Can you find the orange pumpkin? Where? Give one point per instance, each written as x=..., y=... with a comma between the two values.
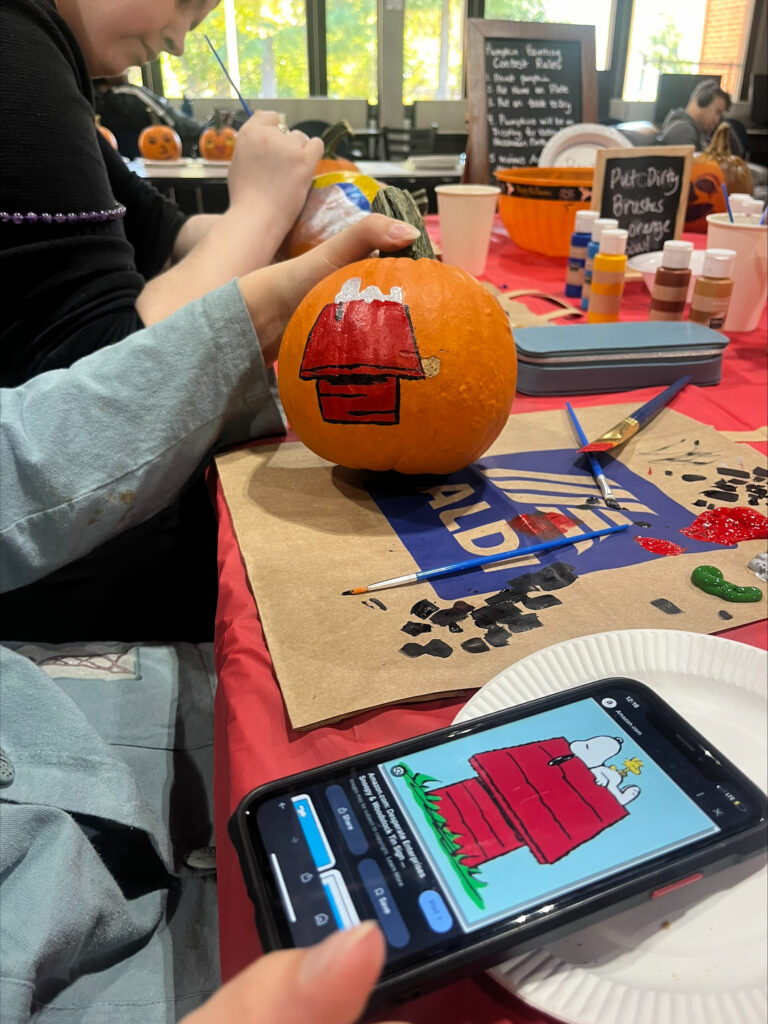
x=159, y=142
x=218, y=141
x=714, y=167
x=398, y=364
x=103, y=130
x=329, y=161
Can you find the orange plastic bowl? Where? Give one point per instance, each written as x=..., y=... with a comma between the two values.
x=538, y=205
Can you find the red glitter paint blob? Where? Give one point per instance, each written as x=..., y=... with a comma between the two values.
x=658, y=546
x=728, y=525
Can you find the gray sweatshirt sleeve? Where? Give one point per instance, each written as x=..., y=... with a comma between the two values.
x=89, y=451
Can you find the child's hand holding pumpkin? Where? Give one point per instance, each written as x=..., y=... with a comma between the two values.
x=270, y=175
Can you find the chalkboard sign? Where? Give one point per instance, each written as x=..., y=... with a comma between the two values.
x=646, y=189
x=526, y=82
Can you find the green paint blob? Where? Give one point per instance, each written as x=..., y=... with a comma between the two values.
x=710, y=580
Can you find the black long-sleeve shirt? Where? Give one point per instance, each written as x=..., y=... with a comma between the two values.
x=68, y=288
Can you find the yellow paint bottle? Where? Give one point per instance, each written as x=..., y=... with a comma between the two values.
x=608, y=277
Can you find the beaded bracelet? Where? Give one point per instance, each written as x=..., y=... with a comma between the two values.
x=90, y=216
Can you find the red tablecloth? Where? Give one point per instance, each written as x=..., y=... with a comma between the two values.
x=254, y=742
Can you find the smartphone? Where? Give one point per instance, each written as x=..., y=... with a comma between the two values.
x=488, y=838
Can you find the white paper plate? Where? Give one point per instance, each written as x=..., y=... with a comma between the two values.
x=649, y=262
x=183, y=161
x=577, y=145
x=709, y=965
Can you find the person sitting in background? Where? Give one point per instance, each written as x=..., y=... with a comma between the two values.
x=126, y=109
x=695, y=124
x=108, y=892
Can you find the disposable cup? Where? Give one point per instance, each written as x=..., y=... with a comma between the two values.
x=466, y=218
x=750, y=273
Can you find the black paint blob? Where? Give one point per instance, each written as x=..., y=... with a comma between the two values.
x=497, y=637
x=692, y=477
x=666, y=606
x=423, y=609
x=416, y=628
x=524, y=623
x=541, y=601
x=435, y=648
x=721, y=495
x=724, y=614
x=475, y=645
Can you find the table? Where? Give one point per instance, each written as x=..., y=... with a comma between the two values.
x=254, y=742
x=202, y=187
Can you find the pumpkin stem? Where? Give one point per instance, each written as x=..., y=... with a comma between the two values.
x=153, y=118
x=394, y=202
x=333, y=135
x=720, y=143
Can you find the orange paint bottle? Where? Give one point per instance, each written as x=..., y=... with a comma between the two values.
x=608, y=278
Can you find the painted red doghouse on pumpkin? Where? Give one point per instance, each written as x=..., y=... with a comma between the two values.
x=359, y=349
x=520, y=798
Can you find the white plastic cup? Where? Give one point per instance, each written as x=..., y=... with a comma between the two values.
x=750, y=273
x=466, y=219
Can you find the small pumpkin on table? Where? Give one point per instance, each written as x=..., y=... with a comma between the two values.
x=159, y=141
x=398, y=363
x=217, y=142
x=711, y=169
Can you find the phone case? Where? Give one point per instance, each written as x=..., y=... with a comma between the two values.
x=595, y=358
x=558, y=918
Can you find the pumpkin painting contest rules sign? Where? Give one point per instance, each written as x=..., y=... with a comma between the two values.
x=526, y=82
x=531, y=97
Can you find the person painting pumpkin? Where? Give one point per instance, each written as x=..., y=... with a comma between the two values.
x=90, y=253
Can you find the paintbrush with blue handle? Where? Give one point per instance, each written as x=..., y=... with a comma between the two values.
x=630, y=425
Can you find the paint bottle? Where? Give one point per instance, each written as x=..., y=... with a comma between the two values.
x=598, y=226
x=737, y=201
x=577, y=254
x=608, y=277
x=712, y=292
x=753, y=211
x=670, y=285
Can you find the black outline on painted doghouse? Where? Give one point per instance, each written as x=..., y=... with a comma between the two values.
x=371, y=389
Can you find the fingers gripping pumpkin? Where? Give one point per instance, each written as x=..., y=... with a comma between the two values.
x=398, y=364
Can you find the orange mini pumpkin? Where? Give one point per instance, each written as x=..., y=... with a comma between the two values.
x=218, y=141
x=159, y=142
x=103, y=130
x=398, y=364
x=714, y=167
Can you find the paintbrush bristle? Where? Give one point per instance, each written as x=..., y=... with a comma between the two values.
x=355, y=590
x=598, y=446
x=612, y=503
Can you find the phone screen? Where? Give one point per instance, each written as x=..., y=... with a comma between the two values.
x=489, y=826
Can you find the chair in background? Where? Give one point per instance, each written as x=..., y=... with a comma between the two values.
x=400, y=143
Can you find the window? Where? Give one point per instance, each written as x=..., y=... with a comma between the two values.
x=263, y=44
x=351, y=42
x=598, y=13
x=433, y=43
x=697, y=37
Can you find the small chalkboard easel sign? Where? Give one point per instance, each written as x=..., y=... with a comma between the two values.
x=526, y=81
x=646, y=189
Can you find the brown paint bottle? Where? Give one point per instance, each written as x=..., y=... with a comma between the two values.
x=670, y=285
x=712, y=293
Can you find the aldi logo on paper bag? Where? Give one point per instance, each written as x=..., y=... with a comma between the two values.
x=508, y=502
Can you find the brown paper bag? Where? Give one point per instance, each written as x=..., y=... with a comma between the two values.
x=309, y=530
